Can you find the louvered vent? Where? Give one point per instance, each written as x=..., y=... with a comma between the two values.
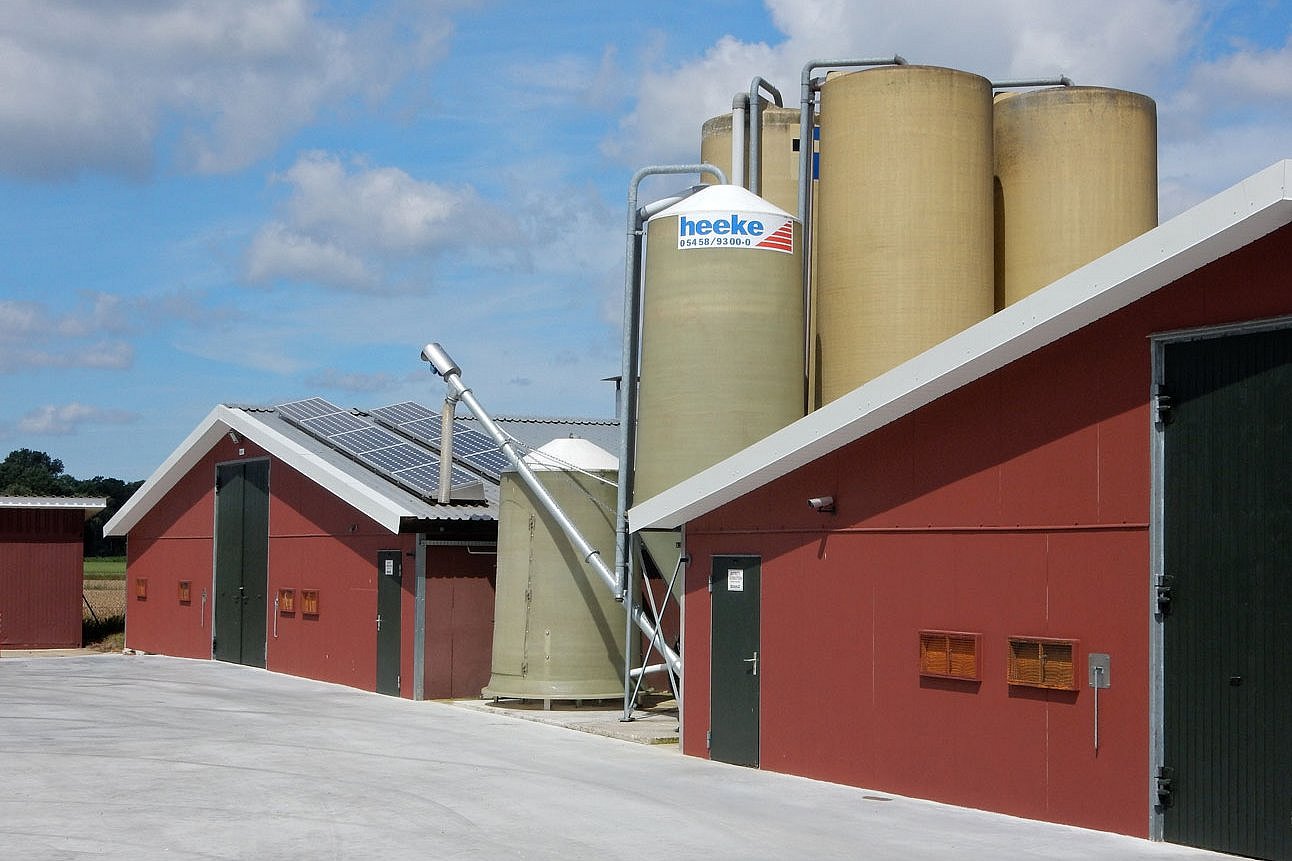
x=949, y=654
x=1042, y=663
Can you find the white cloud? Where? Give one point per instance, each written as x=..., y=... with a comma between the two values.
x=349, y=226
x=66, y=419
x=1105, y=42
x=94, y=86
x=32, y=336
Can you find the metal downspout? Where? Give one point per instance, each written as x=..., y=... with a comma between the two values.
x=807, y=146
x=755, y=170
x=419, y=618
x=624, y=572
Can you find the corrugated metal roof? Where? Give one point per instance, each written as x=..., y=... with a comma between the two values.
x=1214, y=228
x=90, y=504
x=367, y=490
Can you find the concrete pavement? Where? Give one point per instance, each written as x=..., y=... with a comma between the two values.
x=147, y=757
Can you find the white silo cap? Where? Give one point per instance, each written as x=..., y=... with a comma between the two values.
x=715, y=198
x=571, y=453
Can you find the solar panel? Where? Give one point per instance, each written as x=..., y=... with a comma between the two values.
x=402, y=413
x=308, y=408
x=492, y=462
x=377, y=448
x=365, y=439
x=471, y=442
x=336, y=423
x=402, y=456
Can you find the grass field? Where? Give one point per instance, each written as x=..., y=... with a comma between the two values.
x=103, y=612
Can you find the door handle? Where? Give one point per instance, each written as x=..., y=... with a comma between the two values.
x=754, y=661
x=378, y=621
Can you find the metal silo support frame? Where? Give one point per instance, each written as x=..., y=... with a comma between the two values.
x=624, y=581
x=452, y=374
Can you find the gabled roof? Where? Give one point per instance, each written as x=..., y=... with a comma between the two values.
x=1212, y=229
x=371, y=493
x=89, y=505
x=380, y=499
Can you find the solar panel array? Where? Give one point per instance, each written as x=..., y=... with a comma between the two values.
x=375, y=447
x=470, y=446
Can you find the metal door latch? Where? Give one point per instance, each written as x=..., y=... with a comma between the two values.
x=1165, y=785
x=1164, y=586
x=378, y=621
x=754, y=661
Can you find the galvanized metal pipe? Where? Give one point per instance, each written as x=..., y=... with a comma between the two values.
x=628, y=370
x=807, y=146
x=755, y=169
x=1061, y=81
x=739, y=118
x=452, y=374
x=446, y=449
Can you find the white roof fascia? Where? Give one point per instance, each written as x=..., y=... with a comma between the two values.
x=91, y=505
x=1214, y=228
x=219, y=422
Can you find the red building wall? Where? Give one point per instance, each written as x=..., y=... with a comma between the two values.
x=41, y=564
x=316, y=542
x=1015, y=506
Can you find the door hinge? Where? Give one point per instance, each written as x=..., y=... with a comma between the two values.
x=1165, y=590
x=1164, y=785
x=1162, y=404
x=708, y=739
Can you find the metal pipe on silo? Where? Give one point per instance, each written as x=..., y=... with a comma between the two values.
x=807, y=147
x=739, y=107
x=755, y=182
x=1060, y=81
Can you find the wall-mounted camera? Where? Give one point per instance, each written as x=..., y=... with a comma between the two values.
x=823, y=504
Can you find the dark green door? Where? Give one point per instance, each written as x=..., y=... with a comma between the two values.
x=241, y=561
x=389, y=604
x=734, y=668
x=1227, y=640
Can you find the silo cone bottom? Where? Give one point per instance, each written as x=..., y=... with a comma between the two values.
x=519, y=688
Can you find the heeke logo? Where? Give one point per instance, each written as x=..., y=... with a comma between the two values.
x=755, y=230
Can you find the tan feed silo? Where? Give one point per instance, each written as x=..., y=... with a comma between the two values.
x=722, y=336
x=903, y=225
x=558, y=631
x=1076, y=176
x=780, y=157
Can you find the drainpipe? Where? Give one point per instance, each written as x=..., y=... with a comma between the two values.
x=452, y=374
x=755, y=183
x=807, y=146
x=739, y=107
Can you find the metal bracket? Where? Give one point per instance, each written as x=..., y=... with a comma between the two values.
x=1164, y=588
x=1162, y=404
x=1164, y=785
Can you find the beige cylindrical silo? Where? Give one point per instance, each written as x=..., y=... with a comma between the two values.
x=780, y=156
x=722, y=337
x=1076, y=177
x=903, y=225
x=558, y=631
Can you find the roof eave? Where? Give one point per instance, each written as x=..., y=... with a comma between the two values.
x=219, y=422
x=1214, y=228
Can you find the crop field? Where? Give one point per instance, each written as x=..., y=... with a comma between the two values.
x=104, y=585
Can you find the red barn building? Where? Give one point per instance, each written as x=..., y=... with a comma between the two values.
x=41, y=568
x=1041, y=568
x=266, y=541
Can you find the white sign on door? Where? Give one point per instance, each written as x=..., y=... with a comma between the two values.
x=735, y=580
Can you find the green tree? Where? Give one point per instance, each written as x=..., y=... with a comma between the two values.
x=34, y=473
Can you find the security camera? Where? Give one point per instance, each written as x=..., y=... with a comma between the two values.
x=824, y=504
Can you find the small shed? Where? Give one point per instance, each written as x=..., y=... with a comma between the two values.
x=308, y=539
x=41, y=569
x=1040, y=568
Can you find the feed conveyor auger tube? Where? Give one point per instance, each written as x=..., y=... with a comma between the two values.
x=444, y=366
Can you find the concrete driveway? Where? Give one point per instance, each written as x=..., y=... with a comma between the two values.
x=148, y=757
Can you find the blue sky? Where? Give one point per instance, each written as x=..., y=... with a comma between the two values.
x=211, y=201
